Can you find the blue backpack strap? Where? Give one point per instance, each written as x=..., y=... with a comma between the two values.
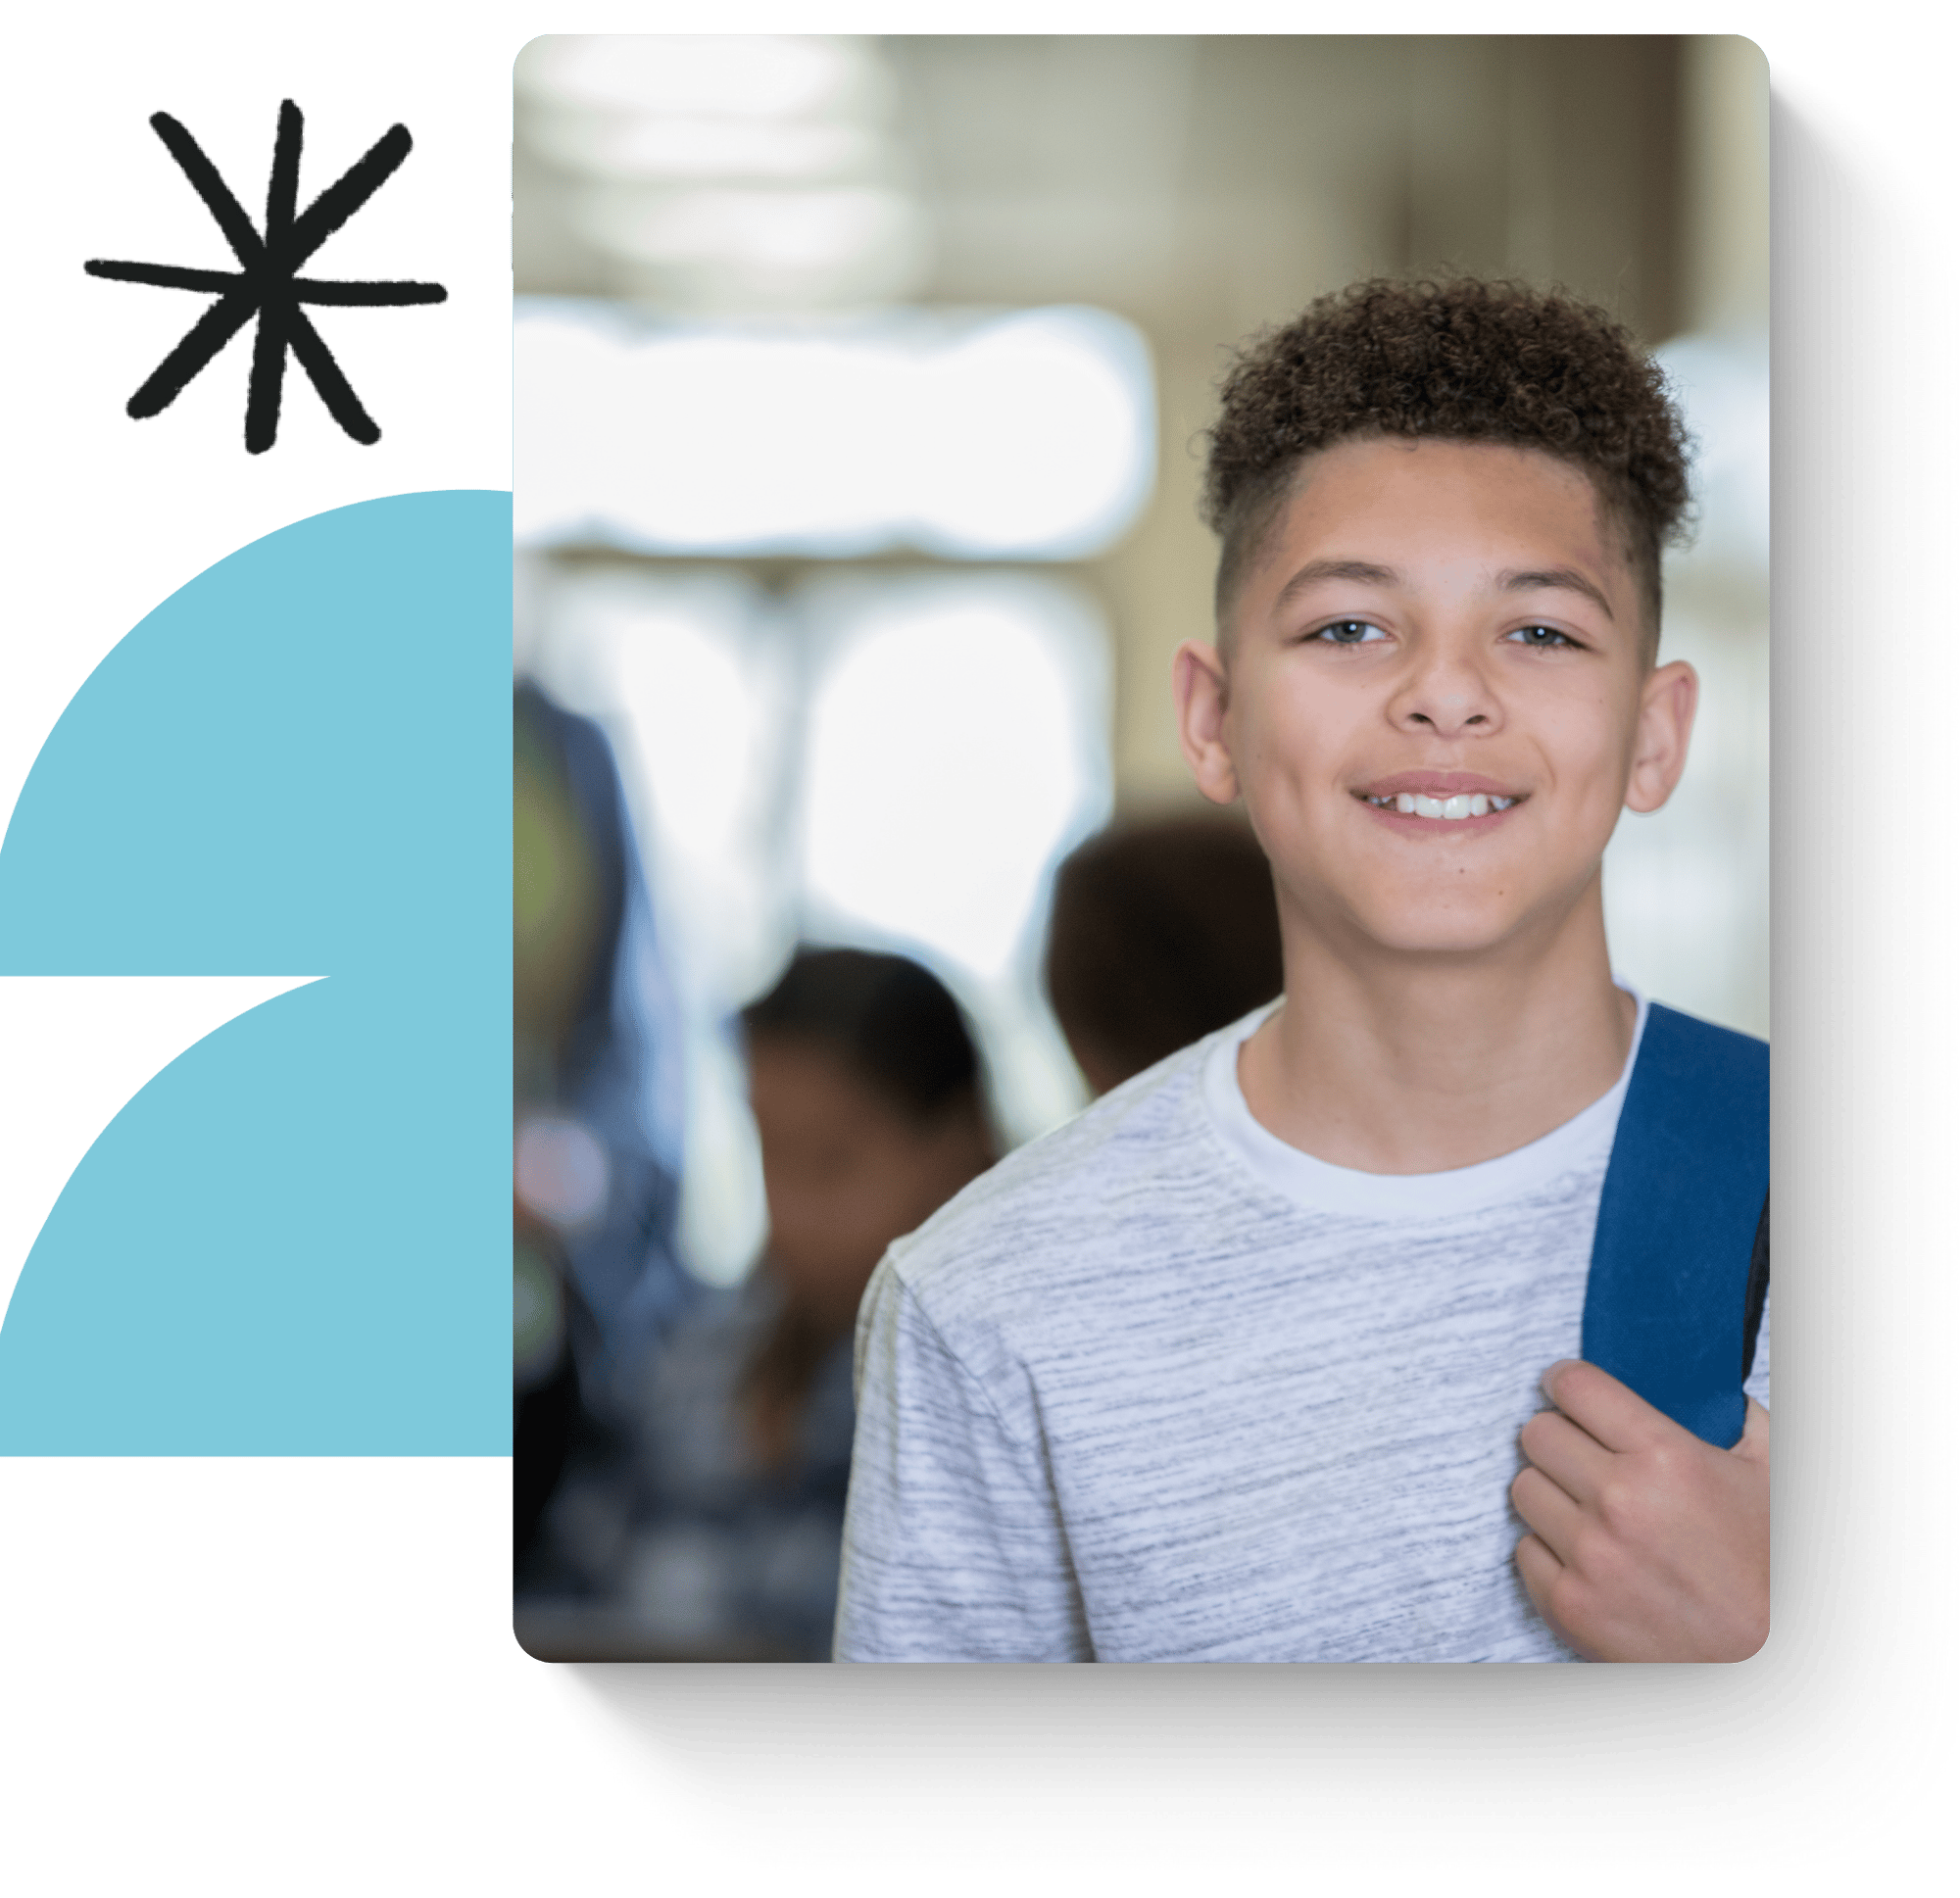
x=1681, y=1254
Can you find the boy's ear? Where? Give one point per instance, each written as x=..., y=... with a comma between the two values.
x=1197, y=680
x=1660, y=744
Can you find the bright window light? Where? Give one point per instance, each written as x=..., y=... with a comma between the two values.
x=690, y=677
x=785, y=231
x=1687, y=888
x=614, y=147
x=1723, y=385
x=1025, y=436
x=1034, y=433
x=953, y=752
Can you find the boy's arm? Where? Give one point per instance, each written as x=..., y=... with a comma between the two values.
x=1647, y=1545
x=953, y=1547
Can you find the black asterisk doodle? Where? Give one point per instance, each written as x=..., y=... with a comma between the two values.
x=265, y=282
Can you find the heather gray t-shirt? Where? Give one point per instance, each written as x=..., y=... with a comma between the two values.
x=1162, y=1388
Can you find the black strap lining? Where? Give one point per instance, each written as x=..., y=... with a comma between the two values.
x=1760, y=1289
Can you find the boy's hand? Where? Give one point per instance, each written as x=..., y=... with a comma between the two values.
x=1648, y=1544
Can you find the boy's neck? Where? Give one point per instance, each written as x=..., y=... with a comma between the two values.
x=1418, y=1064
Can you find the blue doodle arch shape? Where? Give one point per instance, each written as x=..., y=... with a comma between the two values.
x=294, y=1241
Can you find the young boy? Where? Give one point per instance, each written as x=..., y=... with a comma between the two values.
x=1246, y=1362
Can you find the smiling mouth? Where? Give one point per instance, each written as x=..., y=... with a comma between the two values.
x=1453, y=809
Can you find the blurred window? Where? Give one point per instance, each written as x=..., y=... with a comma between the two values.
x=815, y=743
x=1028, y=435
x=725, y=173
x=892, y=759
x=1687, y=886
x=952, y=748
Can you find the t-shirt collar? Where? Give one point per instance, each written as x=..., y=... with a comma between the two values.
x=1586, y=1139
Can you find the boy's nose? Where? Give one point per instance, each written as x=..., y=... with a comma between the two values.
x=1447, y=697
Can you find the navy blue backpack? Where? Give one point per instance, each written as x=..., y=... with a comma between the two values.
x=1680, y=1259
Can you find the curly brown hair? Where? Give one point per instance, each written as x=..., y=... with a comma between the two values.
x=896, y=1028
x=1161, y=930
x=1462, y=360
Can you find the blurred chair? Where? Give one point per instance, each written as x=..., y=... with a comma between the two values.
x=1161, y=931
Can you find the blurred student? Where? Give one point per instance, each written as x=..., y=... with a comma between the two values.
x=596, y=1110
x=867, y=1094
x=1160, y=932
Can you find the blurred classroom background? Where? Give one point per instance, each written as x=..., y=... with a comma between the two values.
x=859, y=384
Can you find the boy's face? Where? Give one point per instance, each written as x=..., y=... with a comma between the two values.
x=1436, y=700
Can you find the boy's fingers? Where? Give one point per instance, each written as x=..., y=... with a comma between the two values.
x=1604, y=1408
x=1547, y=1511
x=1571, y=1457
x=1538, y=1570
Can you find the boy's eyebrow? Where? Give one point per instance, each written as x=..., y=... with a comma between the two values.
x=1365, y=571
x=1368, y=573
x=1569, y=577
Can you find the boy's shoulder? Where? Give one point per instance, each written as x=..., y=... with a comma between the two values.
x=1052, y=1215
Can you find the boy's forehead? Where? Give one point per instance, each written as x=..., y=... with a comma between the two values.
x=1470, y=491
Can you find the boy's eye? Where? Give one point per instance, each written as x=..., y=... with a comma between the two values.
x=1349, y=632
x=1540, y=636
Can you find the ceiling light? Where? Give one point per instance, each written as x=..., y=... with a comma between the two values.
x=616, y=146
x=756, y=75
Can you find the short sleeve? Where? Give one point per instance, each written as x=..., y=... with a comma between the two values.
x=953, y=1547
x=1757, y=1383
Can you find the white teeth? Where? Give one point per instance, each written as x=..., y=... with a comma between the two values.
x=1464, y=805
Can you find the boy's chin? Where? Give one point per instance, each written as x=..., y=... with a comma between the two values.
x=1496, y=910
x=1458, y=930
